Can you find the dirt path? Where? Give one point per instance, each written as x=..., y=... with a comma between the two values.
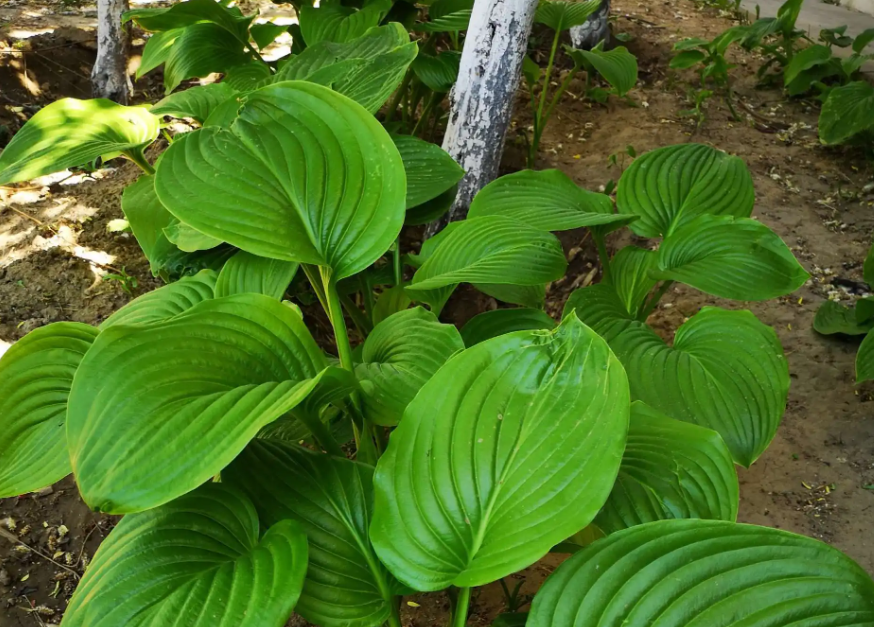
x=54, y=247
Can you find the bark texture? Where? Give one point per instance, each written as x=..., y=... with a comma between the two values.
x=483, y=97
x=597, y=27
x=109, y=78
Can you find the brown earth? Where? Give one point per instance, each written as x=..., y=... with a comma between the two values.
x=55, y=249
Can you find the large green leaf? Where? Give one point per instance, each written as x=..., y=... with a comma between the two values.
x=303, y=174
x=548, y=200
x=197, y=102
x=266, y=33
x=197, y=561
x=670, y=469
x=400, y=355
x=199, y=51
x=438, y=72
x=72, y=132
x=630, y=272
x=332, y=500
x=157, y=410
x=337, y=23
x=725, y=371
x=497, y=322
x=697, y=573
x=190, y=12
x=156, y=50
x=865, y=359
x=846, y=112
x=492, y=249
x=737, y=258
x=35, y=378
x=561, y=15
x=832, y=317
x=188, y=239
x=510, y=448
x=669, y=186
x=248, y=76
x=430, y=170
x=166, y=302
x=617, y=66
x=247, y=273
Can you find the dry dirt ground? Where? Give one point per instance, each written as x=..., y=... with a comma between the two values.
x=55, y=251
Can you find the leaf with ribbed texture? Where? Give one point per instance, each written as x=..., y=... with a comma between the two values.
x=865, y=359
x=629, y=271
x=166, y=302
x=199, y=51
x=832, y=317
x=491, y=324
x=737, y=258
x=846, y=112
x=510, y=448
x=157, y=410
x=617, y=66
x=447, y=16
x=561, y=15
x=725, y=371
x=332, y=500
x=248, y=76
x=336, y=23
x=492, y=249
x=697, y=573
x=430, y=170
x=188, y=239
x=669, y=186
x=548, y=200
x=531, y=296
x=191, y=12
x=197, y=102
x=438, y=72
x=303, y=174
x=72, y=132
x=156, y=50
x=195, y=562
x=670, y=469
x=35, y=378
x=371, y=83
x=247, y=273
x=400, y=355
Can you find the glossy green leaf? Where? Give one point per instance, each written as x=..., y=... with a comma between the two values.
x=548, y=200
x=449, y=23
x=630, y=272
x=531, y=296
x=390, y=302
x=862, y=40
x=510, y=448
x=832, y=317
x=670, y=469
x=156, y=50
x=561, y=15
x=685, y=59
x=531, y=72
x=332, y=500
x=266, y=33
x=165, y=302
x=805, y=59
x=247, y=273
x=617, y=66
x=190, y=12
x=400, y=355
x=846, y=112
x=737, y=258
x=187, y=238
x=865, y=359
x=693, y=573
x=303, y=174
x=197, y=561
x=669, y=186
x=865, y=309
x=725, y=370
x=72, y=132
x=430, y=170
x=199, y=51
x=197, y=102
x=490, y=324
x=492, y=249
x=336, y=23
x=248, y=76
x=35, y=378
x=157, y=410
x=438, y=72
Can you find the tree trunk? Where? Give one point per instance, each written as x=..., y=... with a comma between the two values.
x=597, y=27
x=109, y=77
x=484, y=94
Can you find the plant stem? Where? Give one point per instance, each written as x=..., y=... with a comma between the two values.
x=547, y=74
x=432, y=100
x=320, y=432
x=394, y=619
x=139, y=158
x=651, y=304
x=603, y=256
x=396, y=100
x=316, y=283
x=396, y=262
x=557, y=97
x=361, y=321
x=459, y=616
x=335, y=313
x=367, y=294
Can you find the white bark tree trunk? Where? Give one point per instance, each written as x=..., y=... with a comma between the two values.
x=597, y=27
x=109, y=77
x=483, y=97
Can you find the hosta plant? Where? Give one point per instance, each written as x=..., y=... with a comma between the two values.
x=259, y=474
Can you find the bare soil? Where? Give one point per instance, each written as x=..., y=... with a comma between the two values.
x=55, y=250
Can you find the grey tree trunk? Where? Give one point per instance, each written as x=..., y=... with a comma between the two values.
x=483, y=96
x=109, y=78
x=597, y=27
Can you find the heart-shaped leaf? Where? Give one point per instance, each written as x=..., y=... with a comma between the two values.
x=670, y=469
x=247, y=273
x=617, y=66
x=400, y=355
x=497, y=322
x=725, y=371
x=303, y=174
x=668, y=186
x=72, y=132
x=430, y=170
x=492, y=249
x=391, y=301
x=36, y=374
x=561, y=15
x=846, y=112
x=195, y=561
x=532, y=425
x=832, y=317
x=737, y=258
x=705, y=572
x=630, y=272
x=157, y=410
x=332, y=500
x=165, y=302
x=548, y=200
x=200, y=50
x=197, y=103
